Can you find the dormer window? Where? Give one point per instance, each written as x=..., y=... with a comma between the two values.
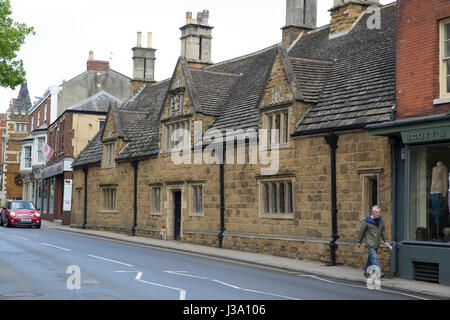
x=177, y=135
x=277, y=124
x=108, y=155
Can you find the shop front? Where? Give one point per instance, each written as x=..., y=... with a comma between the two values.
x=56, y=187
x=421, y=205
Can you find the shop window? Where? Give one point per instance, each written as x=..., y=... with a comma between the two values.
x=429, y=212
x=155, y=200
x=109, y=199
x=277, y=197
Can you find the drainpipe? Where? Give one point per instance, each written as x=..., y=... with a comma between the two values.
x=332, y=141
x=222, y=203
x=394, y=256
x=134, y=164
x=85, y=171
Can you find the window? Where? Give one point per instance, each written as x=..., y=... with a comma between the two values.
x=108, y=155
x=109, y=199
x=177, y=135
x=278, y=121
x=41, y=142
x=155, y=200
x=445, y=58
x=277, y=197
x=101, y=124
x=428, y=204
x=27, y=155
x=197, y=199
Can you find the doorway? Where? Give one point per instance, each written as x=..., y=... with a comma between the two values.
x=177, y=215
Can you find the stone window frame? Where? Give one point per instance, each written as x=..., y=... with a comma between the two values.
x=368, y=175
x=168, y=129
x=444, y=76
x=193, y=212
x=153, y=188
x=285, y=116
x=289, y=196
x=108, y=161
x=110, y=207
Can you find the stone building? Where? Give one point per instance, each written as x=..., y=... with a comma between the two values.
x=16, y=130
x=155, y=168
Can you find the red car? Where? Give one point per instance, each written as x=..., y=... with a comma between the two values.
x=20, y=213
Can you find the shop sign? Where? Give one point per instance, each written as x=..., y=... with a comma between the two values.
x=426, y=135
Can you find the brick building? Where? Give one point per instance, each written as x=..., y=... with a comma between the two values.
x=419, y=134
x=99, y=83
x=315, y=94
x=16, y=130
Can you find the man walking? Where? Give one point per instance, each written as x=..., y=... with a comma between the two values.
x=372, y=229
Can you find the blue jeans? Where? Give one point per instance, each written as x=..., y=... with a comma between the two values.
x=436, y=200
x=372, y=260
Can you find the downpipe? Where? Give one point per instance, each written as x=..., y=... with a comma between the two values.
x=332, y=141
x=85, y=171
x=135, y=166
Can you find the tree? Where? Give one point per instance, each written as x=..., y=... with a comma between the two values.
x=12, y=36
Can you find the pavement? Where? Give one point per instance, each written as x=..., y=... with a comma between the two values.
x=305, y=266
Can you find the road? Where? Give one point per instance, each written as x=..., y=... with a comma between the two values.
x=53, y=265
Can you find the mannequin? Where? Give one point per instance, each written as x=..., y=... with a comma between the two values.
x=439, y=189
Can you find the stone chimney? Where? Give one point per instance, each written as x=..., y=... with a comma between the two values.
x=96, y=65
x=301, y=16
x=196, y=38
x=346, y=12
x=143, y=63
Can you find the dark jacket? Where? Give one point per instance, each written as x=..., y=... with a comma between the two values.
x=372, y=232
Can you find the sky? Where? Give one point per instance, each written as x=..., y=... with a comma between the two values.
x=67, y=30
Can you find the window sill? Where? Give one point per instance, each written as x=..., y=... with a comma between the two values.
x=109, y=212
x=284, y=216
x=196, y=214
x=157, y=214
x=440, y=101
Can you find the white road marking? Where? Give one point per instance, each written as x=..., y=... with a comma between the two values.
x=138, y=276
x=184, y=274
x=182, y=292
x=362, y=287
x=255, y=291
x=105, y=259
x=50, y=245
x=13, y=235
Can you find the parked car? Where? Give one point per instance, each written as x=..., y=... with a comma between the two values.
x=20, y=213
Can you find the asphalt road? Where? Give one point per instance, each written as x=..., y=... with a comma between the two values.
x=46, y=264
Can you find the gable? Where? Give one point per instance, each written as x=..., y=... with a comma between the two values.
x=110, y=130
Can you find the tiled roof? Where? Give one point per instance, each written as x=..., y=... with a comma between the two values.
x=99, y=102
x=240, y=108
x=360, y=83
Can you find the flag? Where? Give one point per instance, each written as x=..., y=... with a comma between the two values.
x=47, y=151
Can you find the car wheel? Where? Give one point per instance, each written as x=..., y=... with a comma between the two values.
x=6, y=224
x=38, y=226
x=1, y=220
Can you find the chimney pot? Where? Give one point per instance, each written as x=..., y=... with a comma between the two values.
x=91, y=55
x=149, y=39
x=139, y=39
x=188, y=17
